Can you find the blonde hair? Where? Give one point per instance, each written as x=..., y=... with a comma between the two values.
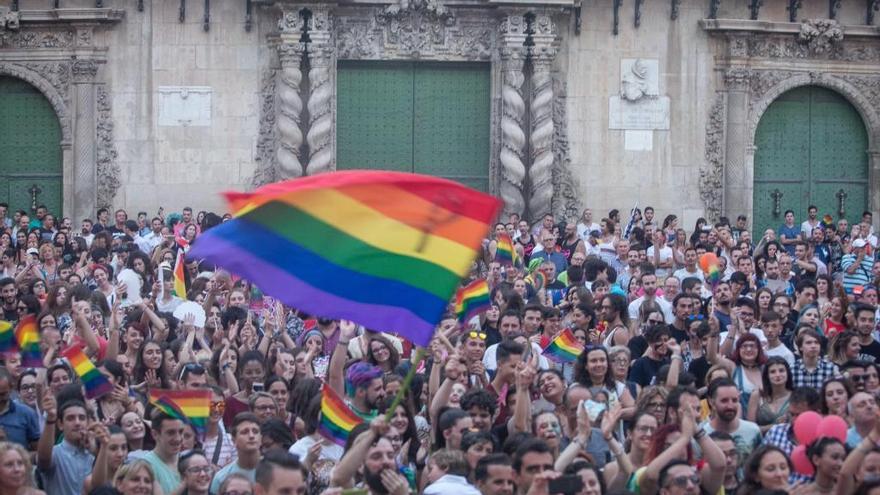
x=25, y=457
x=127, y=470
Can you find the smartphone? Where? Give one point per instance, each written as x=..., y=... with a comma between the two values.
x=593, y=408
x=259, y=387
x=572, y=483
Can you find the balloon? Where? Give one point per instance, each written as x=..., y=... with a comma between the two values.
x=832, y=426
x=707, y=261
x=800, y=461
x=805, y=427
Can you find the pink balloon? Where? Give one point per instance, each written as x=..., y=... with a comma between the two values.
x=832, y=426
x=800, y=461
x=805, y=427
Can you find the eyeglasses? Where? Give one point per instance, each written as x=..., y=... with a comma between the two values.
x=656, y=322
x=237, y=492
x=858, y=378
x=199, y=469
x=623, y=361
x=682, y=481
x=28, y=387
x=646, y=429
x=477, y=335
x=218, y=407
x=656, y=405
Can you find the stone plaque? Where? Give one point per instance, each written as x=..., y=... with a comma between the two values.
x=644, y=114
x=185, y=106
x=639, y=78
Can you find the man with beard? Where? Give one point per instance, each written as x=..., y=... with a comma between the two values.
x=865, y=321
x=362, y=384
x=10, y=299
x=494, y=475
x=649, y=285
x=372, y=453
x=571, y=242
x=64, y=467
x=248, y=440
x=724, y=400
x=279, y=473
x=722, y=296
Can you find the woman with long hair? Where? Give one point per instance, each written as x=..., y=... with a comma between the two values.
x=16, y=471
x=768, y=468
x=382, y=353
x=763, y=298
x=769, y=406
x=845, y=347
x=824, y=289
x=640, y=433
x=593, y=370
x=834, y=396
x=834, y=313
x=826, y=455
x=150, y=369
x=745, y=368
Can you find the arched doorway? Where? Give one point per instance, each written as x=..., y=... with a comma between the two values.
x=30, y=149
x=811, y=149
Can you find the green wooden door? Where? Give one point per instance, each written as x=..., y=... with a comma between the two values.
x=811, y=146
x=30, y=149
x=429, y=118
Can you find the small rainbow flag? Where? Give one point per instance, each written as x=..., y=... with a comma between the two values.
x=505, y=252
x=95, y=383
x=189, y=406
x=7, y=338
x=179, y=288
x=711, y=268
x=383, y=249
x=337, y=420
x=472, y=300
x=564, y=348
x=28, y=339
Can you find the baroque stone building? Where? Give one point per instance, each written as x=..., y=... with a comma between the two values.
x=696, y=107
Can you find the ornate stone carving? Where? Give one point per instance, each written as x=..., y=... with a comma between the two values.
x=737, y=78
x=712, y=174
x=430, y=8
x=84, y=37
x=820, y=34
x=36, y=39
x=265, y=171
x=541, y=139
x=761, y=81
x=414, y=34
x=108, y=171
x=53, y=80
x=869, y=86
x=9, y=20
x=289, y=109
x=790, y=47
x=84, y=70
x=513, y=138
x=320, y=135
x=291, y=22
x=566, y=200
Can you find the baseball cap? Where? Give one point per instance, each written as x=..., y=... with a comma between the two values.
x=859, y=243
x=33, y=251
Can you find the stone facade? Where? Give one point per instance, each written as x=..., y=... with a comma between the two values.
x=271, y=106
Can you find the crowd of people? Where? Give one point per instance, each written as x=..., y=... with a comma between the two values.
x=687, y=383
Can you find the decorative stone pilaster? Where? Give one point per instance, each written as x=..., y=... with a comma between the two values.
x=321, y=61
x=542, y=126
x=288, y=102
x=738, y=190
x=85, y=190
x=513, y=109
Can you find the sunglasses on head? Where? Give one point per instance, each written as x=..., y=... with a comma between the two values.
x=477, y=335
x=692, y=318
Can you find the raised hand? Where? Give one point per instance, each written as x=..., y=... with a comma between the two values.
x=347, y=329
x=49, y=405
x=610, y=419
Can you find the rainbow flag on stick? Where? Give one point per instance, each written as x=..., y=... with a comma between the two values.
x=505, y=252
x=189, y=406
x=95, y=383
x=179, y=288
x=384, y=249
x=7, y=338
x=472, y=300
x=28, y=339
x=337, y=420
x=564, y=348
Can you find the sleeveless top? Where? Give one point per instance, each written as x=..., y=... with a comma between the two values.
x=608, y=342
x=766, y=415
x=568, y=249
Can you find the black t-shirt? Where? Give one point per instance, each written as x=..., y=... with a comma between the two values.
x=637, y=346
x=870, y=352
x=699, y=368
x=680, y=336
x=645, y=369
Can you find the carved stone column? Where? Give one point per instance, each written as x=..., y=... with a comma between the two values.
x=288, y=102
x=513, y=109
x=542, y=126
x=85, y=180
x=322, y=154
x=738, y=186
x=873, y=178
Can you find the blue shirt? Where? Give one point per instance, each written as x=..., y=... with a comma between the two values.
x=793, y=232
x=224, y=473
x=70, y=467
x=21, y=423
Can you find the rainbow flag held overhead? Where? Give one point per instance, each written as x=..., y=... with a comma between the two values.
x=383, y=249
x=95, y=383
x=337, y=420
x=472, y=300
x=505, y=252
x=189, y=406
x=179, y=287
x=564, y=348
x=28, y=338
x=7, y=338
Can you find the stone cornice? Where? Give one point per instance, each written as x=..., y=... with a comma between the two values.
x=81, y=15
x=729, y=26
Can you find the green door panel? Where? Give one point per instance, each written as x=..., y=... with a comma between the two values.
x=429, y=118
x=451, y=122
x=810, y=145
x=374, y=109
x=30, y=150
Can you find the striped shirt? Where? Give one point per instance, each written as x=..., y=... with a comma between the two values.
x=861, y=275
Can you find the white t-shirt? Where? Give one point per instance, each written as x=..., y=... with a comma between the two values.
x=584, y=230
x=807, y=228
x=665, y=306
x=782, y=352
x=682, y=274
x=490, y=358
x=665, y=255
x=329, y=450
x=754, y=331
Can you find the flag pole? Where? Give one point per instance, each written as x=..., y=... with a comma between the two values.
x=404, y=387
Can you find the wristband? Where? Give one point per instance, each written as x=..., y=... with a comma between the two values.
x=700, y=434
x=343, y=343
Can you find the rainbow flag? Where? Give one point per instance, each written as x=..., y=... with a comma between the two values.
x=384, y=249
x=95, y=383
x=189, y=406
x=179, y=287
x=564, y=348
x=28, y=339
x=505, y=253
x=472, y=300
x=7, y=338
x=337, y=420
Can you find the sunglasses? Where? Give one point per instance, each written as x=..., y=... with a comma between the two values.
x=196, y=368
x=218, y=407
x=477, y=335
x=682, y=481
x=695, y=318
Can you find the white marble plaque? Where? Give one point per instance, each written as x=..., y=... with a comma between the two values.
x=639, y=78
x=644, y=114
x=185, y=106
x=638, y=140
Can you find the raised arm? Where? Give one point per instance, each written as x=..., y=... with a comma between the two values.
x=343, y=473
x=336, y=373
x=47, y=440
